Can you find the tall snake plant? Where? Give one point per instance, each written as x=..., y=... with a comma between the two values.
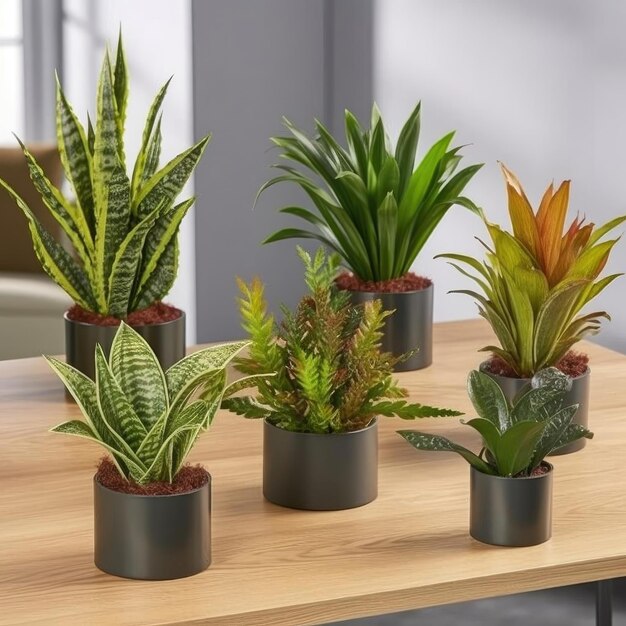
x=123, y=228
x=146, y=418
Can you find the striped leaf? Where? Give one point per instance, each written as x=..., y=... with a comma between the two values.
x=112, y=226
x=161, y=279
x=150, y=142
x=106, y=152
x=120, y=92
x=159, y=238
x=246, y=382
x=81, y=429
x=183, y=443
x=68, y=216
x=139, y=375
x=126, y=265
x=154, y=155
x=190, y=421
x=115, y=407
x=152, y=443
x=83, y=390
x=75, y=156
x=168, y=182
x=55, y=260
x=91, y=137
x=188, y=372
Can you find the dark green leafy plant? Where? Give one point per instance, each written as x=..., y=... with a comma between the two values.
x=516, y=438
x=146, y=418
x=123, y=229
x=329, y=373
x=373, y=208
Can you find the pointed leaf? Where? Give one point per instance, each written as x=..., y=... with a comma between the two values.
x=115, y=406
x=488, y=399
x=139, y=375
x=55, y=260
x=75, y=156
x=516, y=446
x=126, y=266
x=435, y=443
x=168, y=182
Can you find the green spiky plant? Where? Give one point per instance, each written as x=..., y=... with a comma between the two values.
x=147, y=419
x=516, y=437
x=374, y=208
x=329, y=373
x=536, y=280
x=123, y=229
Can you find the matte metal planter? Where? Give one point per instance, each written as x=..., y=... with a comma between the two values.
x=409, y=328
x=578, y=394
x=320, y=472
x=152, y=537
x=511, y=511
x=166, y=339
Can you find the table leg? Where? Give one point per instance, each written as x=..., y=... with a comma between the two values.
x=604, y=608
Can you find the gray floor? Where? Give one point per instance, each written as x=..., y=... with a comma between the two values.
x=566, y=606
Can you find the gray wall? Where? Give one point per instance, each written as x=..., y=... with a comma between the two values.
x=538, y=85
x=253, y=63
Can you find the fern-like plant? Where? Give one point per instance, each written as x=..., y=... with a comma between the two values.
x=374, y=208
x=516, y=438
x=536, y=280
x=123, y=228
x=147, y=419
x=329, y=373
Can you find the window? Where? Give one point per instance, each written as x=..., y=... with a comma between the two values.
x=11, y=71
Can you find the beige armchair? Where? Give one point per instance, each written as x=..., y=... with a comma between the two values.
x=31, y=305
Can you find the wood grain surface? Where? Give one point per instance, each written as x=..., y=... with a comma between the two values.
x=408, y=549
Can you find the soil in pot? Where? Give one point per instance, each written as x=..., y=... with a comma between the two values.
x=573, y=364
x=408, y=282
x=189, y=478
x=157, y=313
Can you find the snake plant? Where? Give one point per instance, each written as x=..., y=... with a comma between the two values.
x=374, y=208
x=329, y=373
x=147, y=419
x=536, y=280
x=123, y=228
x=518, y=437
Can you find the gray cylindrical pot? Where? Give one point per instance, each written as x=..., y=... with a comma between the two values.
x=578, y=394
x=152, y=537
x=409, y=328
x=320, y=472
x=511, y=511
x=167, y=339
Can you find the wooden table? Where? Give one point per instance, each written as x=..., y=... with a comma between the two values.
x=408, y=549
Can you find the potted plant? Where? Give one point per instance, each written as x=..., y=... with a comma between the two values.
x=377, y=211
x=510, y=482
x=122, y=228
x=330, y=383
x=151, y=509
x=535, y=281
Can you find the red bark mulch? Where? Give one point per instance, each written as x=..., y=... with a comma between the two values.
x=408, y=282
x=540, y=470
x=573, y=364
x=157, y=313
x=189, y=478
